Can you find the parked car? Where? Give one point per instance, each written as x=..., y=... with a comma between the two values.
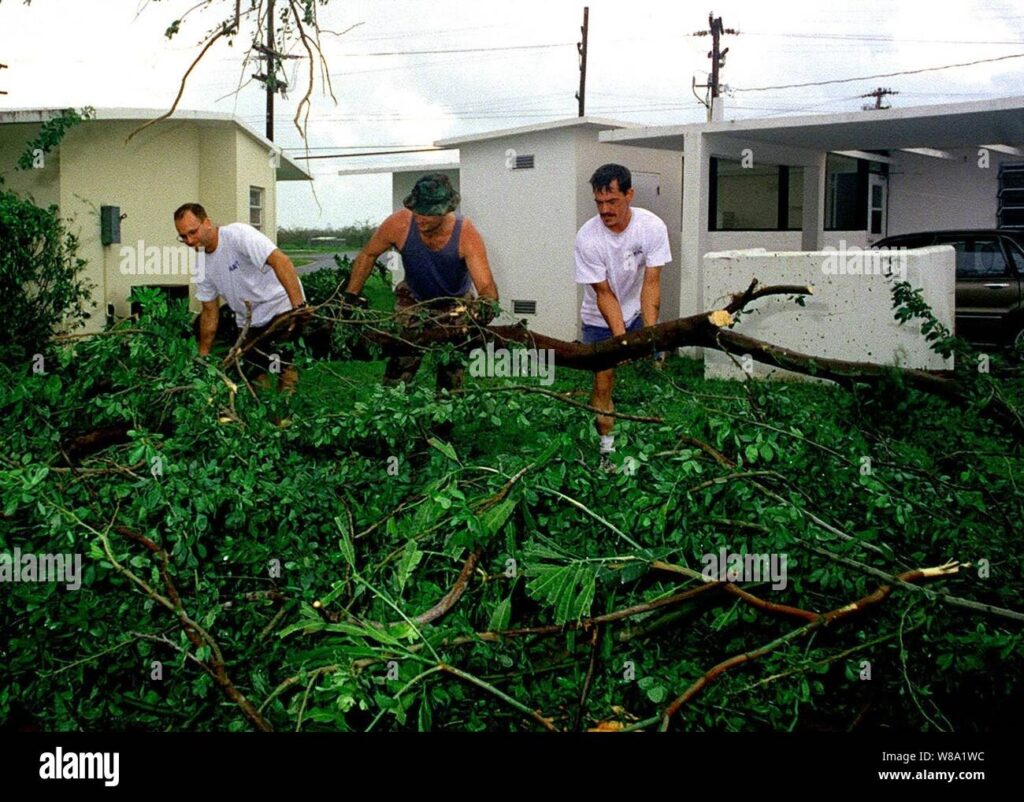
x=989, y=278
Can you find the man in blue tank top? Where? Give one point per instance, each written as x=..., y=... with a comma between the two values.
x=444, y=258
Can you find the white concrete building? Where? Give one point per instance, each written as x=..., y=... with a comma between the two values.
x=527, y=190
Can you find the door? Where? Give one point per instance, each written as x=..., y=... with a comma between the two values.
x=987, y=286
x=647, y=192
x=878, y=196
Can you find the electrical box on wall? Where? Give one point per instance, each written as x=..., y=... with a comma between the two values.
x=110, y=224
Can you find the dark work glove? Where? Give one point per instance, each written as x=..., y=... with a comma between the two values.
x=484, y=311
x=350, y=302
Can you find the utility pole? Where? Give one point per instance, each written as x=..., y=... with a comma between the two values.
x=269, y=78
x=717, y=56
x=271, y=70
x=878, y=94
x=581, y=48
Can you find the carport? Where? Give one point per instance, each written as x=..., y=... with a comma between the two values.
x=934, y=167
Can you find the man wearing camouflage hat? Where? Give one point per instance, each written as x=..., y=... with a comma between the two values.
x=444, y=258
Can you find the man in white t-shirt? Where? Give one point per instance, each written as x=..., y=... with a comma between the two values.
x=241, y=264
x=619, y=256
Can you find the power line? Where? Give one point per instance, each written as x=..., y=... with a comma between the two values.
x=458, y=50
x=376, y=153
x=880, y=75
x=868, y=37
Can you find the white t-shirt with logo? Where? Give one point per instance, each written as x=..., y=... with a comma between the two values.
x=621, y=259
x=238, y=271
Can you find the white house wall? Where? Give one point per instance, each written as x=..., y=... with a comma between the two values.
x=848, y=316
x=528, y=221
x=42, y=184
x=403, y=182
x=254, y=168
x=147, y=178
x=927, y=194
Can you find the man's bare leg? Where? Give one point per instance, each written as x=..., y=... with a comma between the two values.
x=287, y=380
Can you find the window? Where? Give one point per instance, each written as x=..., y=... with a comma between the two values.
x=980, y=257
x=1010, y=197
x=1016, y=256
x=759, y=198
x=846, y=188
x=256, y=195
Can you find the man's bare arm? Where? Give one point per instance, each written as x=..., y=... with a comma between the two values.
x=473, y=250
x=209, y=317
x=285, y=272
x=650, y=295
x=609, y=307
x=386, y=236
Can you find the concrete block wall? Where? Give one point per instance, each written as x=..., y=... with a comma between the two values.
x=850, y=315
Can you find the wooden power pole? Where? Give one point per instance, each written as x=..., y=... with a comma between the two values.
x=581, y=48
x=271, y=70
x=717, y=56
x=274, y=60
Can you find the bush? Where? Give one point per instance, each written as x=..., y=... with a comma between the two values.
x=40, y=283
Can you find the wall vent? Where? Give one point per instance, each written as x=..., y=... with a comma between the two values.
x=524, y=307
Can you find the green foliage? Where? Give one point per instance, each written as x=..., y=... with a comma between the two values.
x=41, y=289
x=51, y=133
x=309, y=484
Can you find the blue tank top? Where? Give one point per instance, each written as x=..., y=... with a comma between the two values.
x=434, y=274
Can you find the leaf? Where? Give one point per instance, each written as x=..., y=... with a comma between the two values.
x=411, y=557
x=501, y=616
x=657, y=694
x=348, y=551
x=495, y=518
x=608, y=726
x=444, y=448
x=569, y=589
x=425, y=716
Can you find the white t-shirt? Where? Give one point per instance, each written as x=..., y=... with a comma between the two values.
x=621, y=259
x=238, y=271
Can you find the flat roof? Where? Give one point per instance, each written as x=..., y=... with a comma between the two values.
x=287, y=171
x=949, y=125
x=400, y=168
x=552, y=125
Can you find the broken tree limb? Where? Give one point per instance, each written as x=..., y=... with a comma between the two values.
x=879, y=595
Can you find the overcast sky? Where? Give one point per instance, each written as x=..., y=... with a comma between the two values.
x=642, y=58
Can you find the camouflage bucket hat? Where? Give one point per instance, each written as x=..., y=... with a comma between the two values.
x=432, y=195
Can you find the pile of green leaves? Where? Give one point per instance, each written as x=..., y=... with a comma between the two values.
x=370, y=500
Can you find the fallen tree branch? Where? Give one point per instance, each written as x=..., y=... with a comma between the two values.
x=854, y=608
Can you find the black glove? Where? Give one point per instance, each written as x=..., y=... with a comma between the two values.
x=351, y=301
x=485, y=311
